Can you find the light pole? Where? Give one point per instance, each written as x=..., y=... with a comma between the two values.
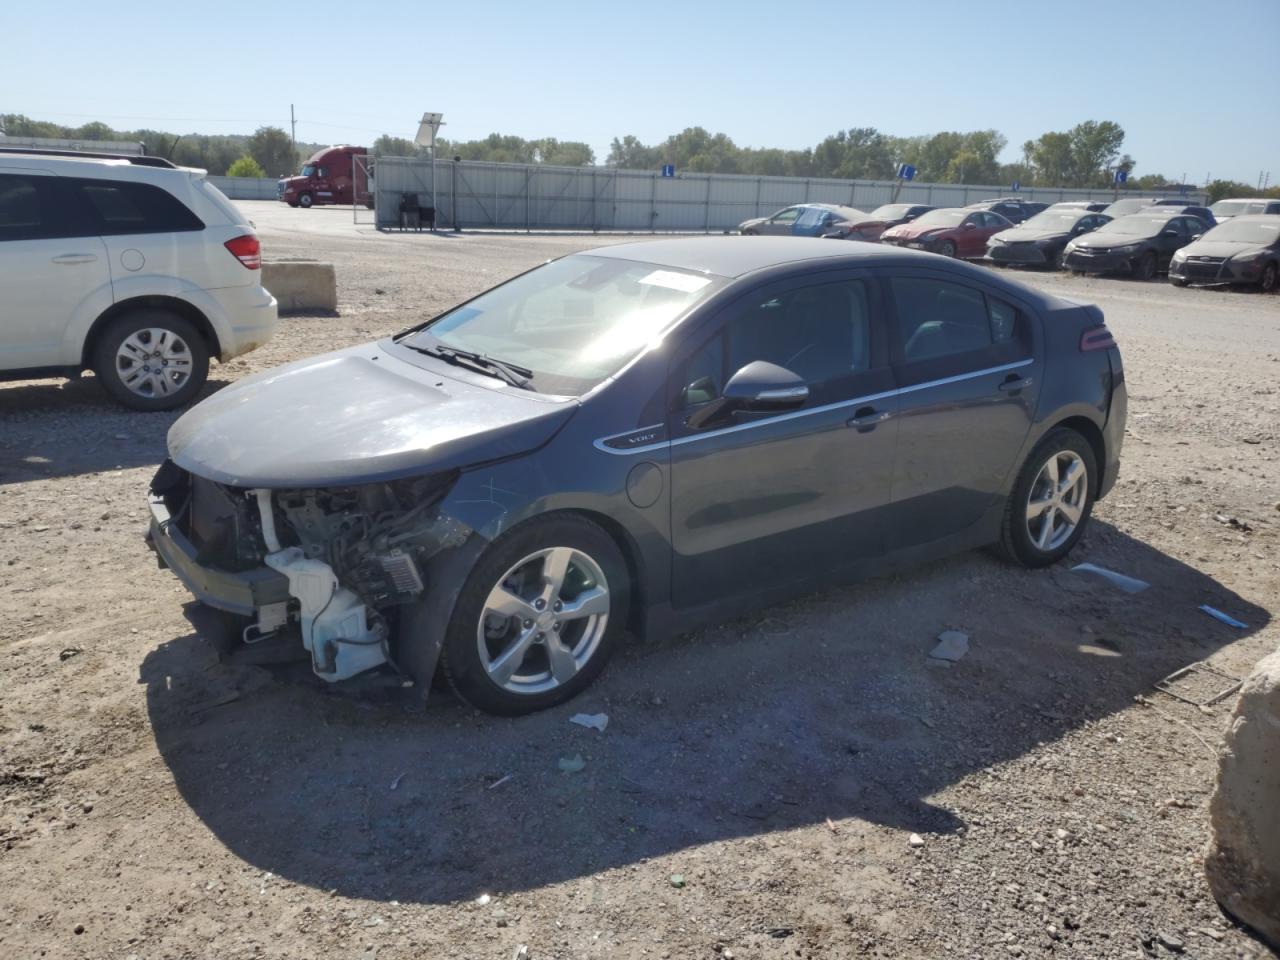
x=428, y=129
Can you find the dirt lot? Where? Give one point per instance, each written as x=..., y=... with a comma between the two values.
x=157, y=804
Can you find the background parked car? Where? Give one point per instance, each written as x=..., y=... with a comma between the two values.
x=893, y=214
x=1123, y=208
x=816, y=220
x=1246, y=249
x=127, y=266
x=1013, y=209
x=1141, y=243
x=1242, y=206
x=1192, y=209
x=952, y=232
x=1041, y=239
x=1093, y=206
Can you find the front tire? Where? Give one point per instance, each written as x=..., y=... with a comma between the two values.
x=1270, y=278
x=1145, y=268
x=947, y=248
x=538, y=616
x=1052, y=500
x=304, y=201
x=151, y=359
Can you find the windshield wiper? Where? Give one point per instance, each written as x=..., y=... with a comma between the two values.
x=512, y=373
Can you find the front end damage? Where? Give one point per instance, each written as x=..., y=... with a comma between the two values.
x=335, y=567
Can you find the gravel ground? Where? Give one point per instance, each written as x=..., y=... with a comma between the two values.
x=799, y=783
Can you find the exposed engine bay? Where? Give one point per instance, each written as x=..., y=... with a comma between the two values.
x=350, y=555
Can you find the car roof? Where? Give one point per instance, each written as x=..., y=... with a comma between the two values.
x=1246, y=200
x=97, y=164
x=732, y=256
x=1254, y=218
x=1152, y=213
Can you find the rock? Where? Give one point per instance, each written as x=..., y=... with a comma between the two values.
x=1242, y=860
x=951, y=646
x=677, y=880
x=916, y=840
x=1170, y=942
x=79, y=929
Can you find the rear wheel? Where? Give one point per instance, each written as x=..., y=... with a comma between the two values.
x=151, y=359
x=1145, y=268
x=538, y=617
x=1051, y=501
x=1270, y=278
x=304, y=200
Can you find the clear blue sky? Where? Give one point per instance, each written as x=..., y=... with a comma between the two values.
x=1194, y=84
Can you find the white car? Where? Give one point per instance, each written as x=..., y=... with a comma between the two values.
x=127, y=266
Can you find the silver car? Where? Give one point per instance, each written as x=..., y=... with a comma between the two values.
x=1243, y=250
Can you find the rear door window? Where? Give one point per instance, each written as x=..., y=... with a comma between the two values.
x=25, y=212
x=119, y=207
x=946, y=329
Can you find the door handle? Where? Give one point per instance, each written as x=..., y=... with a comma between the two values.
x=868, y=418
x=1014, y=385
x=75, y=258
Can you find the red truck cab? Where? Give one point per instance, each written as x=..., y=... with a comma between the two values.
x=331, y=175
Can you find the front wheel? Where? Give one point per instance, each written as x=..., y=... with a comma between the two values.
x=1145, y=268
x=151, y=359
x=1051, y=501
x=304, y=201
x=947, y=248
x=538, y=617
x=1270, y=278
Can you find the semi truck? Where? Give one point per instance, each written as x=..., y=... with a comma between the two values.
x=330, y=176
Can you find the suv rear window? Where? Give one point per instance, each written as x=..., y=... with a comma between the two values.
x=23, y=215
x=119, y=207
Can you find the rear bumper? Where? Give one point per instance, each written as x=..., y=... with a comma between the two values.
x=241, y=593
x=250, y=317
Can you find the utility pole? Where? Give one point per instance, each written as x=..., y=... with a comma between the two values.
x=293, y=133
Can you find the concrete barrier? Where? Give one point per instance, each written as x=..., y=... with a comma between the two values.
x=301, y=285
x=1242, y=861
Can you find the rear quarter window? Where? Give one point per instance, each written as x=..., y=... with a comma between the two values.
x=24, y=213
x=121, y=207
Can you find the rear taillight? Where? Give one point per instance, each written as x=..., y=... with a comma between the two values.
x=247, y=250
x=1097, y=338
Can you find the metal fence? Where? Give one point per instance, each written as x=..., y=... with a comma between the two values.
x=472, y=194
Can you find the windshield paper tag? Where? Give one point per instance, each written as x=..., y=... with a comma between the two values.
x=675, y=281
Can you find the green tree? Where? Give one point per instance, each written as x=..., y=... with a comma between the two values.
x=273, y=150
x=246, y=166
x=389, y=146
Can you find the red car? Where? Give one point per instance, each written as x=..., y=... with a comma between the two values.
x=952, y=232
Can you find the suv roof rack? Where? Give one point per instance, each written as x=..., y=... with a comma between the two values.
x=85, y=155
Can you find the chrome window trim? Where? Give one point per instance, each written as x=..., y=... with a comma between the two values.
x=897, y=392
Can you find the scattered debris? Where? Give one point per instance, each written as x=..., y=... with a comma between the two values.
x=832, y=827
x=521, y=952
x=497, y=783
x=396, y=782
x=1119, y=580
x=677, y=880
x=1234, y=522
x=916, y=840
x=1170, y=942
x=1168, y=716
x=594, y=721
x=574, y=764
x=66, y=653
x=1217, y=614
x=484, y=899
x=952, y=646
x=1198, y=684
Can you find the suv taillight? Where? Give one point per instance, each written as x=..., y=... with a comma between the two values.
x=1096, y=338
x=247, y=250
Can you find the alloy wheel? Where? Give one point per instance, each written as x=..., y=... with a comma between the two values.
x=154, y=362
x=1056, y=501
x=543, y=620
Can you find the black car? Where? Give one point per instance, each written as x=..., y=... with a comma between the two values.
x=1244, y=250
x=1140, y=244
x=1195, y=210
x=895, y=214
x=1013, y=209
x=642, y=438
x=1092, y=206
x=1041, y=240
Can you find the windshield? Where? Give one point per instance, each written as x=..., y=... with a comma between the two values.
x=891, y=211
x=573, y=322
x=1123, y=207
x=308, y=169
x=1136, y=226
x=1229, y=208
x=1064, y=221
x=941, y=218
x=1246, y=231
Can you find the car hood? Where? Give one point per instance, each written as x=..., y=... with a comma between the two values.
x=359, y=415
x=909, y=231
x=1222, y=248
x=291, y=181
x=1021, y=235
x=753, y=222
x=1106, y=241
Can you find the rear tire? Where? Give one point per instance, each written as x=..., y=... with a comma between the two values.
x=304, y=201
x=1270, y=278
x=563, y=657
x=1041, y=495
x=1145, y=268
x=151, y=359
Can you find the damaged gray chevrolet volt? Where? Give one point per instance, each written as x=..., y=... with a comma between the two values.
x=640, y=438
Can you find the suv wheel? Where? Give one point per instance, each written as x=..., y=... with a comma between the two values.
x=1051, y=501
x=304, y=200
x=151, y=359
x=538, y=617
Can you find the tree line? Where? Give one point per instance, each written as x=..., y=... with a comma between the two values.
x=1087, y=155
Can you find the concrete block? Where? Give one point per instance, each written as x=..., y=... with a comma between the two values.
x=1242, y=861
x=301, y=285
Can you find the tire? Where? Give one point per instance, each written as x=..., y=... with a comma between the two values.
x=131, y=341
x=1145, y=268
x=368, y=204
x=1177, y=281
x=750, y=233
x=292, y=203
x=1022, y=537
x=1059, y=261
x=513, y=569
x=304, y=201
x=947, y=248
x=1270, y=279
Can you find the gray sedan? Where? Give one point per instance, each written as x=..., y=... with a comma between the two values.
x=1245, y=250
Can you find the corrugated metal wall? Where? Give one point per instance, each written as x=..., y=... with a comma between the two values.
x=475, y=194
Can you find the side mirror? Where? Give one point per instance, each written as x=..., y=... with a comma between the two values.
x=759, y=385
x=1196, y=236
x=968, y=226
x=1168, y=233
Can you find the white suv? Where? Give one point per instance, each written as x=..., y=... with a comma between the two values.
x=128, y=266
